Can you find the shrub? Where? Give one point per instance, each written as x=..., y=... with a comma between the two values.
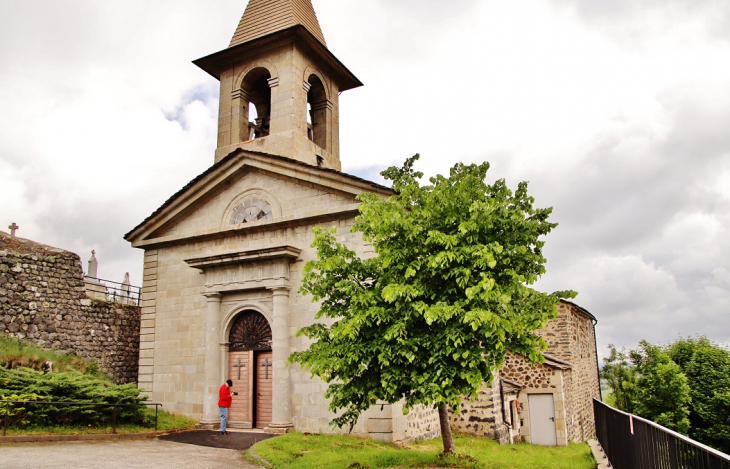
x=69, y=386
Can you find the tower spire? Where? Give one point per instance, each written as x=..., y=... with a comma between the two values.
x=263, y=17
x=280, y=85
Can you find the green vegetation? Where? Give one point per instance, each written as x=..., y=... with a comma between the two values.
x=165, y=422
x=707, y=368
x=684, y=386
x=446, y=298
x=15, y=353
x=25, y=384
x=24, y=376
x=300, y=451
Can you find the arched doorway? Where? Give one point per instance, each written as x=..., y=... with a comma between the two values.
x=250, y=368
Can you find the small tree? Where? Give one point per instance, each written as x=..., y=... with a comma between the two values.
x=660, y=393
x=620, y=376
x=446, y=297
x=707, y=367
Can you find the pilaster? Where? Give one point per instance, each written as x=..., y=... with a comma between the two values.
x=213, y=377
x=148, y=302
x=281, y=416
x=239, y=114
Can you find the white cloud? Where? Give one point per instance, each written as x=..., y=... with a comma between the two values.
x=618, y=116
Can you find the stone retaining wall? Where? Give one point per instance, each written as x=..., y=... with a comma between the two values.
x=43, y=300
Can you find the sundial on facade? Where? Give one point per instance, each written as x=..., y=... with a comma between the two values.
x=251, y=210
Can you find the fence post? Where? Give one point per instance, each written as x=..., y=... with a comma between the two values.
x=157, y=406
x=114, y=419
x=673, y=462
x=5, y=425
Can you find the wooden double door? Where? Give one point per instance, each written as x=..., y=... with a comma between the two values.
x=252, y=375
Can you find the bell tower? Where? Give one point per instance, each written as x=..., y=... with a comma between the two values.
x=280, y=85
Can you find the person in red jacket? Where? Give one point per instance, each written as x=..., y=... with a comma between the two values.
x=224, y=403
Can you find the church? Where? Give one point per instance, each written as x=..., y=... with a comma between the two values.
x=223, y=257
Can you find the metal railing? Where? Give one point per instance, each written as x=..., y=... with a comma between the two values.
x=109, y=290
x=631, y=442
x=97, y=404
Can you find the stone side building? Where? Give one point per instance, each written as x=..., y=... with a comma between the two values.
x=548, y=403
x=43, y=300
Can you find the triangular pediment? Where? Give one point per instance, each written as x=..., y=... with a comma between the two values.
x=252, y=191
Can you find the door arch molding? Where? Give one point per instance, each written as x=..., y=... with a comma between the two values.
x=230, y=318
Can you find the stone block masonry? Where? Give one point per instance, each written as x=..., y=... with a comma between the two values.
x=43, y=300
x=482, y=416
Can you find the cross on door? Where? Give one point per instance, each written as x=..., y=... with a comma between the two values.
x=267, y=365
x=239, y=365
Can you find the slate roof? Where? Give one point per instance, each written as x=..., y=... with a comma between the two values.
x=555, y=362
x=511, y=386
x=263, y=17
x=231, y=156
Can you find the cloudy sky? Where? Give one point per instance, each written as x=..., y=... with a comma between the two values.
x=618, y=113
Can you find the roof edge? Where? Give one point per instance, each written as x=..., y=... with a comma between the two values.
x=581, y=309
x=228, y=159
x=215, y=63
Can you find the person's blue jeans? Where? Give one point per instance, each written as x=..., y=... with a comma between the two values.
x=224, y=417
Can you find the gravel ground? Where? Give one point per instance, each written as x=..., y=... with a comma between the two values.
x=148, y=453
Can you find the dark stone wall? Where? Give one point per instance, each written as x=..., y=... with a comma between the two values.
x=43, y=300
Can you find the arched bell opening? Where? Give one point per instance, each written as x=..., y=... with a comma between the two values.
x=256, y=104
x=317, y=108
x=250, y=368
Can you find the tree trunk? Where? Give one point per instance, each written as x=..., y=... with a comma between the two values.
x=446, y=436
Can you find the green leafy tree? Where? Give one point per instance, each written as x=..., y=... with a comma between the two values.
x=707, y=367
x=660, y=392
x=620, y=375
x=445, y=298
x=645, y=381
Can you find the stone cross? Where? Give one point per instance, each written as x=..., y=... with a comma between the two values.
x=93, y=265
x=13, y=227
x=239, y=365
x=267, y=365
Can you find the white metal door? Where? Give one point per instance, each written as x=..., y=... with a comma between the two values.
x=542, y=419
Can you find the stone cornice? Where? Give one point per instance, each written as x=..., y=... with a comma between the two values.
x=223, y=60
x=255, y=255
x=311, y=218
x=254, y=269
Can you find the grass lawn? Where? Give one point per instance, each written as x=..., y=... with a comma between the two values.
x=299, y=451
x=165, y=421
x=16, y=353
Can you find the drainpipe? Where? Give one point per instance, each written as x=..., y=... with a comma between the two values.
x=501, y=397
x=598, y=370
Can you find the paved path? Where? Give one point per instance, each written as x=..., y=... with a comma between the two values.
x=135, y=454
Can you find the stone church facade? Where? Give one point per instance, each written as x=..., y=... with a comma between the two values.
x=223, y=257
